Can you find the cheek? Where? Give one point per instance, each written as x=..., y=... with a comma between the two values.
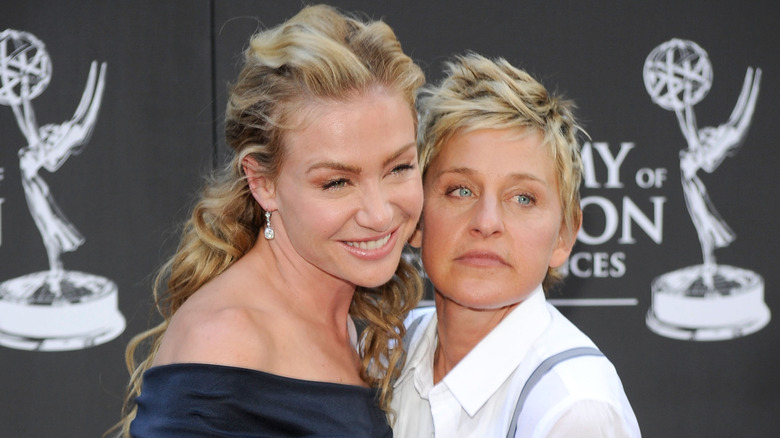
x=437, y=235
x=309, y=218
x=541, y=239
x=430, y=254
x=410, y=197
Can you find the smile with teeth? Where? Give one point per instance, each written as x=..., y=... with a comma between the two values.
x=371, y=244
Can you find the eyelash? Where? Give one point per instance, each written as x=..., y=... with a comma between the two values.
x=452, y=189
x=531, y=199
x=403, y=168
x=335, y=184
x=338, y=183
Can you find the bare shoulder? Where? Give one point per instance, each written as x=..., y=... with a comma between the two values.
x=207, y=331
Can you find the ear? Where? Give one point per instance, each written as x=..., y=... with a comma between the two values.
x=565, y=243
x=261, y=186
x=416, y=239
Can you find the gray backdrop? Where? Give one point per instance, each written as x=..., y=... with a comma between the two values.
x=159, y=129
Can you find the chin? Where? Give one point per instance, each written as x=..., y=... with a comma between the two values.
x=490, y=305
x=484, y=301
x=374, y=280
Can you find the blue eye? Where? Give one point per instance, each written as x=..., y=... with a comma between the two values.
x=461, y=192
x=524, y=199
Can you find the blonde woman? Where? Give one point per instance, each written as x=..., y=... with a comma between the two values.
x=299, y=235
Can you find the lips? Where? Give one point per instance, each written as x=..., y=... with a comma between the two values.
x=481, y=258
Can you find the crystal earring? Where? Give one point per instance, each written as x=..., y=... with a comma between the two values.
x=269, y=232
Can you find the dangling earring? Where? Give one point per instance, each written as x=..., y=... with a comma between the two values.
x=269, y=232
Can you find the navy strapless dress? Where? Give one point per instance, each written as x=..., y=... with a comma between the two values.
x=200, y=400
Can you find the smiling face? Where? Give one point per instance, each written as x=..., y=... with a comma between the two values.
x=349, y=193
x=492, y=221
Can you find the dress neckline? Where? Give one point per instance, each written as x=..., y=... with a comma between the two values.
x=195, y=366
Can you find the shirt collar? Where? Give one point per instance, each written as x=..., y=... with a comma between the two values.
x=486, y=367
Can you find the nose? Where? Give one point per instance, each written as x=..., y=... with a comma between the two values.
x=376, y=211
x=487, y=219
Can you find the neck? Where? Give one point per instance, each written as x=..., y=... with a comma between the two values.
x=307, y=290
x=459, y=330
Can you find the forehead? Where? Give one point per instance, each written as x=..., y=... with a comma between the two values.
x=304, y=110
x=504, y=149
x=372, y=121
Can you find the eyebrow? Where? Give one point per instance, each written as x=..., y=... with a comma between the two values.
x=335, y=165
x=457, y=170
x=402, y=150
x=469, y=172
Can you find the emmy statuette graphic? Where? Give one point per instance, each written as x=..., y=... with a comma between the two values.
x=705, y=302
x=57, y=309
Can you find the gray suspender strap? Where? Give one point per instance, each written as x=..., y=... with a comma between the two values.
x=539, y=372
x=411, y=329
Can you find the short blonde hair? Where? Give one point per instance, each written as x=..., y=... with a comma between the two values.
x=480, y=93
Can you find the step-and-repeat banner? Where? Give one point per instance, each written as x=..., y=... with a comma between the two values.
x=110, y=115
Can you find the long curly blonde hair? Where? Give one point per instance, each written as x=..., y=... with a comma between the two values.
x=319, y=54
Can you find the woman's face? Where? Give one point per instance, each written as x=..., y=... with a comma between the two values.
x=349, y=193
x=492, y=221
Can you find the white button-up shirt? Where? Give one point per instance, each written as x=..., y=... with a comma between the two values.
x=582, y=397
